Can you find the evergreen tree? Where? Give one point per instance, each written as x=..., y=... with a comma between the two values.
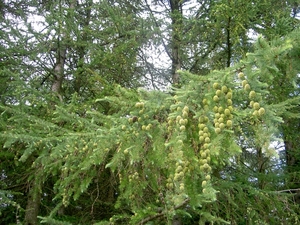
x=172, y=155
x=83, y=145
x=43, y=68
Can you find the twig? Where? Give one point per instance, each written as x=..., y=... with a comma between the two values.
x=289, y=190
x=162, y=214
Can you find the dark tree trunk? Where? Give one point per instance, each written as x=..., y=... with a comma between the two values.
x=292, y=151
x=261, y=160
x=177, y=25
x=228, y=42
x=80, y=76
x=293, y=163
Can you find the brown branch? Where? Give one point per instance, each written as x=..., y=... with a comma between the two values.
x=157, y=25
x=162, y=214
x=289, y=190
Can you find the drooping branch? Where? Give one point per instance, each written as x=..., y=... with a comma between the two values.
x=163, y=214
x=157, y=25
x=289, y=190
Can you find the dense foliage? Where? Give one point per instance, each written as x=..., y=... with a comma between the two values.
x=84, y=141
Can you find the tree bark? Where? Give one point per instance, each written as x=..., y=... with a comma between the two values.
x=79, y=75
x=260, y=167
x=176, y=18
x=293, y=164
x=292, y=154
x=33, y=203
x=61, y=58
x=59, y=71
x=228, y=42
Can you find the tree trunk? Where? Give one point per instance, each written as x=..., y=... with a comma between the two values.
x=33, y=203
x=176, y=17
x=61, y=57
x=59, y=70
x=293, y=164
x=260, y=168
x=228, y=42
x=80, y=75
x=292, y=153
x=177, y=25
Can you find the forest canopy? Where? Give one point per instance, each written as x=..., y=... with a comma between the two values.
x=149, y=112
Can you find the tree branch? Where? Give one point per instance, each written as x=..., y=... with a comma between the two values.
x=157, y=25
x=289, y=190
x=162, y=214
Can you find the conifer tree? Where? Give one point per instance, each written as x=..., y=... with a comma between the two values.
x=100, y=151
x=40, y=66
x=172, y=155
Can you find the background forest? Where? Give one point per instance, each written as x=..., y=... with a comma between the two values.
x=149, y=112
